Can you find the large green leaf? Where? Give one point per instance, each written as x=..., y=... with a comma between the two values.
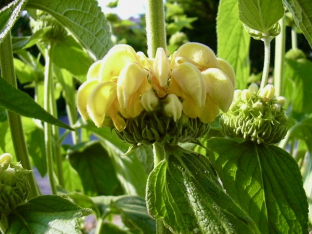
x=8, y=16
x=233, y=41
x=302, y=13
x=297, y=83
x=72, y=180
x=21, y=103
x=129, y=169
x=95, y=169
x=46, y=214
x=184, y=192
x=83, y=18
x=6, y=144
x=265, y=181
x=260, y=15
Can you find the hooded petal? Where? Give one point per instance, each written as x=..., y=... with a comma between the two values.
x=198, y=54
x=83, y=94
x=210, y=111
x=173, y=107
x=118, y=121
x=190, y=80
x=219, y=87
x=149, y=100
x=129, y=81
x=100, y=101
x=94, y=70
x=228, y=70
x=161, y=67
x=114, y=62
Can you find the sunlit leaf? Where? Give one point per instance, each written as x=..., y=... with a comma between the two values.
x=233, y=41
x=83, y=18
x=265, y=181
x=46, y=214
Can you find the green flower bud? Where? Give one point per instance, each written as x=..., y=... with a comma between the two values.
x=246, y=95
x=260, y=118
x=253, y=88
x=281, y=100
x=14, y=186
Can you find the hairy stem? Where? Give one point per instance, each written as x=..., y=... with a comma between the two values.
x=279, y=59
x=15, y=122
x=266, y=64
x=294, y=43
x=48, y=82
x=155, y=26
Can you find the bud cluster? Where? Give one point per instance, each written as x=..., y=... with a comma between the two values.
x=148, y=97
x=14, y=186
x=256, y=115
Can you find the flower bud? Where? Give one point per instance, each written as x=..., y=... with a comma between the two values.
x=173, y=107
x=281, y=100
x=246, y=95
x=14, y=185
x=253, y=88
x=267, y=93
x=161, y=67
x=149, y=100
x=237, y=94
x=219, y=87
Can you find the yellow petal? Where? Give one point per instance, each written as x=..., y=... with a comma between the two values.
x=228, y=70
x=113, y=63
x=129, y=81
x=134, y=107
x=161, y=67
x=149, y=100
x=118, y=121
x=268, y=92
x=219, y=87
x=198, y=54
x=190, y=108
x=83, y=94
x=173, y=107
x=190, y=80
x=210, y=111
x=100, y=101
x=123, y=47
x=93, y=72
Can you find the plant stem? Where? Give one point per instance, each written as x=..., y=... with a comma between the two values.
x=159, y=155
x=48, y=82
x=279, y=59
x=266, y=64
x=294, y=43
x=155, y=26
x=15, y=122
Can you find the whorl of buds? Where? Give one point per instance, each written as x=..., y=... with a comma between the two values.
x=157, y=99
x=256, y=115
x=14, y=185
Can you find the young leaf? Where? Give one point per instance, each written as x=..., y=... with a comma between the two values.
x=95, y=169
x=302, y=13
x=71, y=178
x=260, y=15
x=265, y=181
x=233, y=41
x=83, y=18
x=9, y=15
x=46, y=214
x=184, y=192
x=21, y=103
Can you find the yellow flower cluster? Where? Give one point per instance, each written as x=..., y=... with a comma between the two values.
x=124, y=83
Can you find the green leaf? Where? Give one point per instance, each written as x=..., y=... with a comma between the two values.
x=6, y=144
x=21, y=103
x=233, y=41
x=69, y=55
x=35, y=144
x=9, y=15
x=134, y=213
x=83, y=18
x=183, y=190
x=133, y=179
x=95, y=169
x=72, y=179
x=303, y=130
x=109, y=228
x=302, y=13
x=24, y=72
x=298, y=85
x=265, y=181
x=84, y=201
x=46, y=214
x=260, y=15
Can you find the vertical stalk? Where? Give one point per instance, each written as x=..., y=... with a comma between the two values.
x=155, y=26
x=294, y=43
x=159, y=154
x=266, y=64
x=279, y=59
x=48, y=82
x=15, y=122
